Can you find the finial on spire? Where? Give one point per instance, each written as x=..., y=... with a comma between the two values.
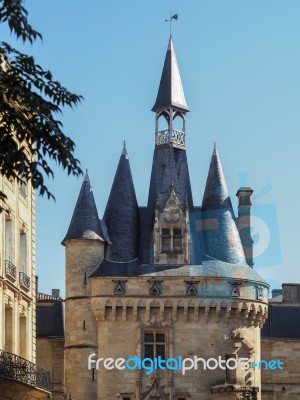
x=172, y=186
x=124, y=151
x=215, y=149
x=86, y=178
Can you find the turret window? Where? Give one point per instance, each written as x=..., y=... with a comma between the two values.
x=171, y=240
x=191, y=288
x=235, y=289
x=155, y=287
x=119, y=287
x=259, y=293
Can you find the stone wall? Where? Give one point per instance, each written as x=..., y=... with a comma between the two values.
x=281, y=384
x=50, y=356
x=192, y=326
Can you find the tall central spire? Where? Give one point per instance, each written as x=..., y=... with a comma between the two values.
x=170, y=93
x=169, y=160
x=170, y=103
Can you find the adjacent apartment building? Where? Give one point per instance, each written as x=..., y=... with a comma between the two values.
x=20, y=378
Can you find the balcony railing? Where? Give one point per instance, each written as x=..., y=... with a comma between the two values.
x=10, y=269
x=18, y=369
x=24, y=280
x=177, y=138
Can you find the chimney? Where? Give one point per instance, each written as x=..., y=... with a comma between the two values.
x=244, y=223
x=291, y=293
x=276, y=292
x=55, y=292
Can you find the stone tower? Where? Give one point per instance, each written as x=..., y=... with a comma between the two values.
x=84, y=243
x=169, y=280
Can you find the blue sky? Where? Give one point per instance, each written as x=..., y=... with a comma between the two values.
x=239, y=63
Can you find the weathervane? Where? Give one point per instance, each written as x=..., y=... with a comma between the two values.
x=175, y=17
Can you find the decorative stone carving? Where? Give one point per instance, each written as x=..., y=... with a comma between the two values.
x=155, y=287
x=119, y=287
x=155, y=389
x=191, y=288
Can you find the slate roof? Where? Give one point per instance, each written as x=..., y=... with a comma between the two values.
x=85, y=223
x=283, y=322
x=216, y=194
x=122, y=214
x=170, y=92
x=221, y=237
x=50, y=319
x=209, y=268
x=215, y=243
x=169, y=167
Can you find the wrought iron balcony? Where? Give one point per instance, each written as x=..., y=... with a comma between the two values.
x=10, y=269
x=24, y=280
x=177, y=138
x=18, y=369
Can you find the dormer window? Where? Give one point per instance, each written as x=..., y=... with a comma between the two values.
x=171, y=240
x=170, y=233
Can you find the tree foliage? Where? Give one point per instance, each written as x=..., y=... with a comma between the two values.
x=31, y=101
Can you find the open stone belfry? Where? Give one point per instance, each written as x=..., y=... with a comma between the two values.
x=168, y=279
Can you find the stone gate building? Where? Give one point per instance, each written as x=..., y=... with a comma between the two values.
x=170, y=279
x=20, y=377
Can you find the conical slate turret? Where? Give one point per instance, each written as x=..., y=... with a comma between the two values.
x=222, y=239
x=85, y=223
x=122, y=214
x=170, y=166
x=216, y=193
x=170, y=92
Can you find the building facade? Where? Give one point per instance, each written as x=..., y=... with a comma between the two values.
x=18, y=370
x=281, y=341
x=50, y=339
x=170, y=279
